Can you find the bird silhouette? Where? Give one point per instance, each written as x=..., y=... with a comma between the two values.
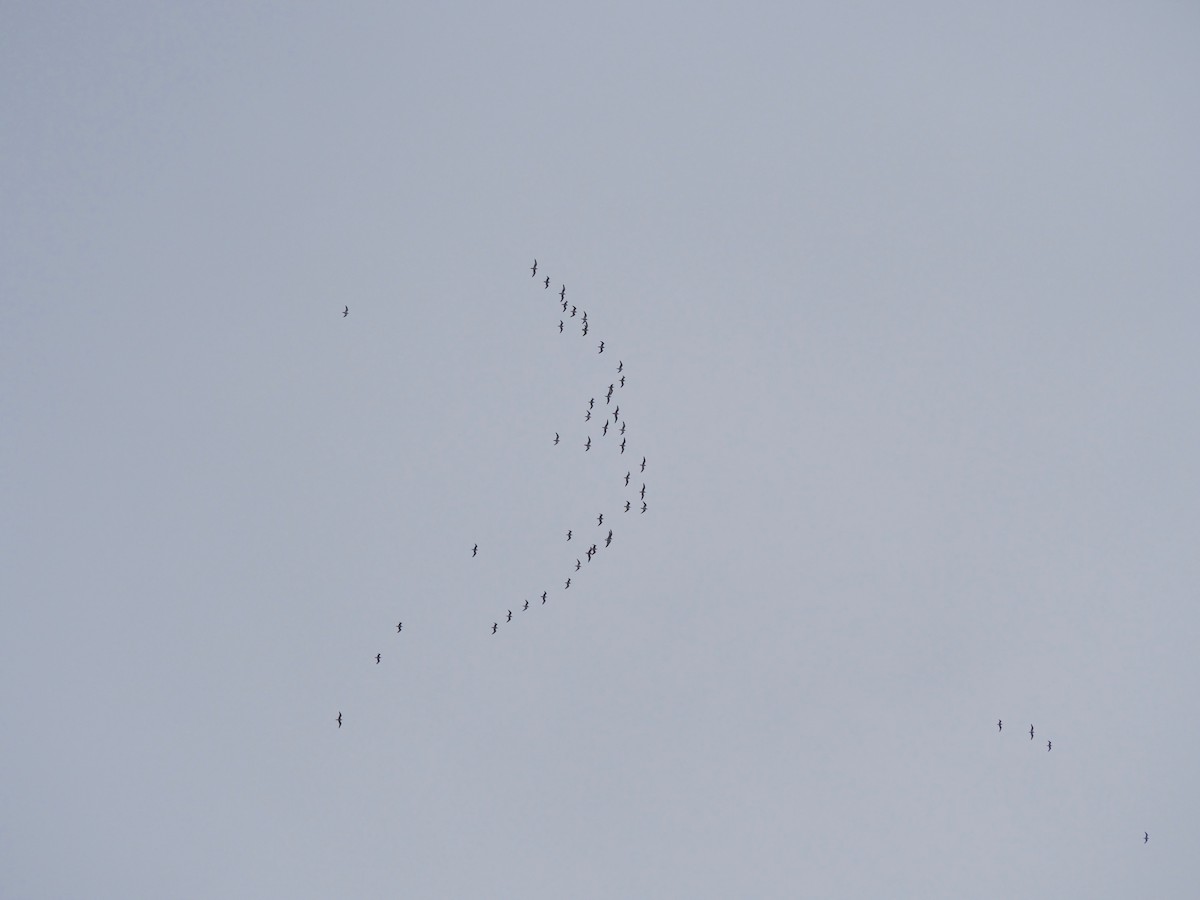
x=643, y=464
x=608, y=396
x=622, y=381
x=339, y=720
x=643, y=491
x=534, y=270
x=620, y=366
x=999, y=724
x=604, y=430
x=1145, y=835
x=399, y=626
x=608, y=540
x=568, y=534
x=585, y=328
x=547, y=281
x=622, y=426
x=616, y=413
x=345, y=312
x=377, y=657
x=627, y=479
x=591, y=403
x=1031, y=732
x=578, y=565
x=560, y=326
x=622, y=445
x=509, y=619
x=587, y=416
x=556, y=439
x=525, y=607
x=543, y=598
x=568, y=584
x=601, y=347
x=573, y=311
x=599, y=520
x=585, y=315
x=564, y=305
x=626, y=506
x=475, y=550
x=588, y=445
x=643, y=506
x=495, y=625
x=1048, y=745
x=563, y=292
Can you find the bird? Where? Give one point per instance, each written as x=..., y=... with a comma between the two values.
x=622, y=426
x=377, y=657
x=601, y=346
x=573, y=311
x=399, y=626
x=525, y=607
x=1145, y=835
x=643, y=491
x=1031, y=732
x=626, y=506
x=547, y=281
x=616, y=413
x=495, y=625
x=588, y=445
x=643, y=464
x=608, y=396
x=591, y=403
x=509, y=619
x=563, y=292
x=585, y=327
x=587, y=416
x=534, y=269
x=568, y=534
x=543, y=598
x=339, y=720
x=556, y=439
x=620, y=366
x=622, y=381
x=604, y=430
x=560, y=326
x=475, y=550
x=1048, y=745
x=568, y=584
x=622, y=445
x=578, y=565
x=564, y=305
x=643, y=506
x=608, y=540
x=585, y=315
x=599, y=520
x=626, y=479
x=345, y=312
x=999, y=724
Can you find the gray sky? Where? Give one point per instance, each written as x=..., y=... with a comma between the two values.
x=906, y=296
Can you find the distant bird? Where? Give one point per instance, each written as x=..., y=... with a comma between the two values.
x=578, y=565
x=588, y=445
x=563, y=292
x=622, y=427
x=345, y=312
x=547, y=281
x=543, y=598
x=622, y=445
x=608, y=540
x=643, y=464
x=564, y=304
x=620, y=366
x=525, y=607
x=608, y=396
x=1145, y=835
x=627, y=479
x=643, y=506
x=1048, y=745
x=339, y=720
x=568, y=584
x=626, y=506
x=572, y=310
x=475, y=550
x=534, y=269
x=587, y=416
x=509, y=619
x=568, y=534
x=399, y=626
x=1031, y=732
x=377, y=658
x=556, y=439
x=585, y=328
x=622, y=381
x=643, y=491
x=616, y=413
x=599, y=520
x=604, y=430
x=495, y=625
x=560, y=326
x=602, y=346
x=585, y=315
x=999, y=724
x=591, y=403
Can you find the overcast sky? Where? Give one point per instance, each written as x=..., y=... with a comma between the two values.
x=906, y=300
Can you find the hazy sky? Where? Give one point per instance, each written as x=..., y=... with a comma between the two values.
x=906, y=298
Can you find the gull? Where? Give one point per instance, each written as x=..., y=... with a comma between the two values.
x=643, y=491
x=622, y=381
x=626, y=506
x=556, y=439
x=564, y=303
x=588, y=445
x=563, y=292
x=620, y=366
x=588, y=416
x=543, y=598
x=547, y=285
x=377, y=657
x=345, y=312
x=608, y=396
x=592, y=403
x=578, y=565
x=601, y=346
x=509, y=619
x=495, y=625
x=568, y=534
x=568, y=584
x=643, y=506
x=599, y=520
x=560, y=326
x=525, y=607
x=999, y=724
x=572, y=310
x=585, y=327
x=627, y=479
x=604, y=430
x=399, y=627
x=475, y=550
x=622, y=427
x=1031, y=732
x=1048, y=745
x=608, y=540
x=534, y=269
x=1145, y=835
x=616, y=413
x=643, y=464
x=339, y=720
x=622, y=445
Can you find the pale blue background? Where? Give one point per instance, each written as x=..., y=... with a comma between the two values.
x=907, y=298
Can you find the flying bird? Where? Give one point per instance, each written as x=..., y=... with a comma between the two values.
x=627, y=479
x=626, y=506
x=563, y=292
x=578, y=565
x=601, y=346
x=345, y=312
x=587, y=416
x=509, y=619
x=1145, y=835
x=339, y=720
x=591, y=403
x=643, y=464
x=560, y=326
x=495, y=625
x=620, y=366
x=564, y=303
x=547, y=285
x=622, y=426
x=543, y=598
x=525, y=607
x=534, y=269
x=377, y=657
x=604, y=430
x=588, y=445
x=616, y=413
x=999, y=724
x=622, y=381
x=568, y=584
x=643, y=491
x=572, y=310
x=585, y=327
x=608, y=540
x=1048, y=745
x=568, y=534
x=622, y=445
x=1031, y=732
x=399, y=626
x=599, y=520
x=475, y=550
x=643, y=506
x=556, y=439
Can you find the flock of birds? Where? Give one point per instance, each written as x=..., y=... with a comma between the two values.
x=595, y=418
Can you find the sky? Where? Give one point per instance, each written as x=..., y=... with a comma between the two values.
x=906, y=300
